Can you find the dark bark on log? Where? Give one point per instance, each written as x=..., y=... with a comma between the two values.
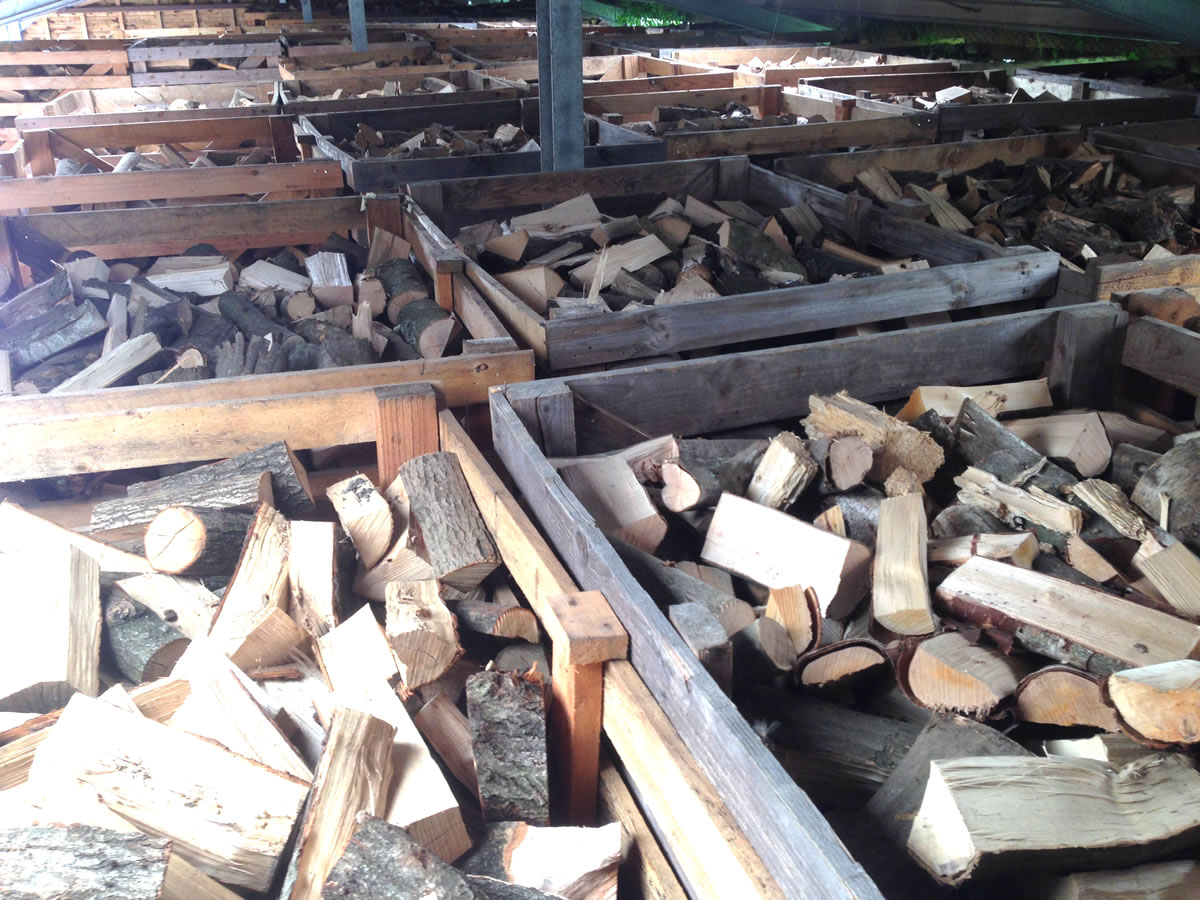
x=1177, y=475
x=249, y=319
x=961, y=520
x=1129, y=464
x=207, y=334
x=508, y=727
x=402, y=282
x=231, y=358
x=705, y=637
x=171, y=322
x=79, y=862
x=519, y=657
x=450, y=532
x=481, y=617
x=425, y=325
x=945, y=737
x=381, y=862
x=335, y=346
x=59, y=328
x=200, y=542
x=303, y=357
x=31, y=303
x=985, y=443
x=52, y=372
x=495, y=889
x=860, y=512
x=142, y=645
x=762, y=651
x=397, y=348
x=269, y=358
x=706, y=469
x=190, y=373
x=354, y=251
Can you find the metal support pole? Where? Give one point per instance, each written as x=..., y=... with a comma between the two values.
x=560, y=83
x=358, y=26
x=306, y=7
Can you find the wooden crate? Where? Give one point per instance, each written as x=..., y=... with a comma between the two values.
x=1083, y=106
x=610, y=145
x=300, y=96
x=624, y=73
x=1170, y=148
x=796, y=844
x=122, y=106
x=843, y=61
x=232, y=228
x=525, y=48
x=858, y=129
x=967, y=274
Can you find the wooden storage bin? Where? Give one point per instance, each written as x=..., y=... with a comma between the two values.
x=844, y=61
x=624, y=73
x=612, y=145
x=120, y=106
x=967, y=274
x=618, y=408
x=1169, y=149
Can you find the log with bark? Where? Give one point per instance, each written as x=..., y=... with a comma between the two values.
x=507, y=712
x=197, y=541
x=573, y=863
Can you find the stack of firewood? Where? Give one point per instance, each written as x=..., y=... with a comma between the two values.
x=198, y=316
x=1083, y=205
x=969, y=628
x=756, y=65
x=258, y=699
x=572, y=260
x=693, y=118
x=429, y=85
x=437, y=141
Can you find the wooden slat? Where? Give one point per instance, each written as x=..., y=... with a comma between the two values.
x=218, y=131
x=41, y=122
x=573, y=342
x=63, y=82
x=799, y=138
x=1051, y=115
x=1163, y=351
x=171, y=184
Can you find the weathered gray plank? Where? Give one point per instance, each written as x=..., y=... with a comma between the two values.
x=1163, y=351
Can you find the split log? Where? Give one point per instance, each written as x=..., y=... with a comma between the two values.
x=34, y=301
x=1155, y=881
x=703, y=470
x=946, y=400
x=259, y=585
x=844, y=463
x=330, y=275
x=380, y=861
x=900, y=597
x=1113, y=507
x=1018, y=549
x=983, y=817
x=762, y=650
x=750, y=244
x=1177, y=475
x=609, y=490
x=670, y=585
x=508, y=247
x=449, y=734
x=320, y=567
x=361, y=669
x=1080, y=626
x=534, y=285
x=249, y=318
x=844, y=662
x=1015, y=505
x=573, y=863
x=141, y=644
x=57, y=329
x=1158, y=704
x=370, y=293
x=1061, y=695
x=51, y=647
x=777, y=550
x=365, y=516
x=335, y=346
x=1129, y=464
x=207, y=276
x=507, y=712
x=185, y=603
x=427, y=327
x=986, y=444
x=1175, y=573
x=353, y=777
x=23, y=531
x=450, y=532
x=707, y=638
x=892, y=442
x=52, y=371
x=421, y=632
x=228, y=816
x=630, y=256
x=197, y=541
x=948, y=673
x=785, y=470
x=944, y=738
x=482, y=617
x=1078, y=437
x=79, y=861
x=263, y=275
x=797, y=610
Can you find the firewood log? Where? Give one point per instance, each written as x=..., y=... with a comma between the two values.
x=797, y=610
x=482, y=617
x=1015, y=505
x=1078, y=437
x=841, y=662
x=335, y=346
x=959, y=520
x=707, y=639
x=1061, y=695
x=354, y=776
x=1129, y=464
x=381, y=861
x=449, y=734
x=1029, y=804
x=507, y=712
x=1086, y=628
x=365, y=516
x=777, y=550
x=703, y=470
x=947, y=400
x=609, y=490
x=1149, y=882
x=402, y=283
x=427, y=327
x=227, y=815
x=1019, y=549
x=750, y=244
x=670, y=585
x=1114, y=507
x=1175, y=573
x=57, y=329
x=141, y=644
x=574, y=863
x=186, y=603
x=249, y=318
x=785, y=470
x=320, y=569
x=987, y=444
x=949, y=673
x=1177, y=475
x=52, y=647
x=197, y=541
x=35, y=300
x=900, y=597
x=893, y=443
x=762, y=650
x=1158, y=704
x=451, y=533
x=421, y=632
x=330, y=275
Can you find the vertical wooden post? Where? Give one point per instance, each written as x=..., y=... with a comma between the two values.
x=358, y=26
x=1087, y=347
x=556, y=416
x=283, y=138
x=406, y=426
x=5, y=373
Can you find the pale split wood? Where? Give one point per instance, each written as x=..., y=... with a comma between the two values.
x=900, y=599
x=785, y=470
x=421, y=631
x=609, y=490
x=1020, y=549
x=449, y=734
x=1175, y=572
x=1078, y=437
x=188, y=603
x=316, y=573
x=1014, y=505
x=840, y=661
x=364, y=515
x=113, y=366
x=1159, y=704
x=1061, y=695
x=892, y=442
x=796, y=609
x=948, y=672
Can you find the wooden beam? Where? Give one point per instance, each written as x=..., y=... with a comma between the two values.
x=1166, y=352
x=799, y=138
x=217, y=130
x=406, y=425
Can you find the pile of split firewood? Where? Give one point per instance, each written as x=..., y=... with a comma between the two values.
x=959, y=95
x=756, y=65
x=257, y=698
x=694, y=118
x=1083, y=205
x=429, y=85
x=196, y=316
x=437, y=141
x=572, y=260
x=968, y=630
